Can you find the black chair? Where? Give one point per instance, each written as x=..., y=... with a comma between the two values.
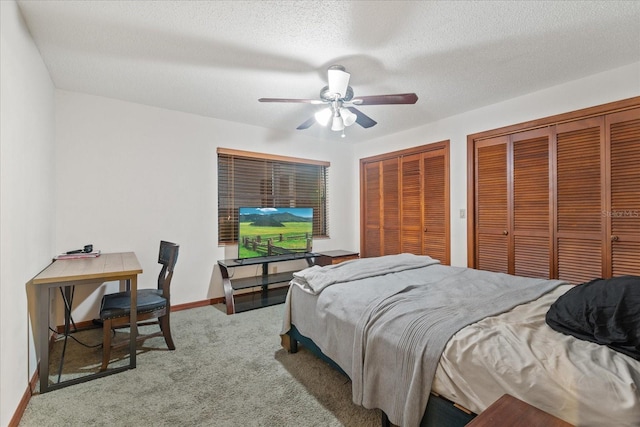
x=151, y=304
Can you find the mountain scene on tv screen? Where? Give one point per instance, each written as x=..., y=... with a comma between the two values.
x=274, y=233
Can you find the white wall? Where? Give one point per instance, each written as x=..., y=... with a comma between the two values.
x=613, y=85
x=129, y=175
x=26, y=197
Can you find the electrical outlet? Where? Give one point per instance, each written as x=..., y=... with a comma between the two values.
x=463, y=213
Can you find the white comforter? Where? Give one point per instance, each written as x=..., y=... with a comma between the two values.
x=315, y=279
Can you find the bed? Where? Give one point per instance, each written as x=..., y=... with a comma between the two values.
x=405, y=329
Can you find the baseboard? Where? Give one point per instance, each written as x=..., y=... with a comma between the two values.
x=90, y=324
x=85, y=324
x=202, y=303
x=26, y=397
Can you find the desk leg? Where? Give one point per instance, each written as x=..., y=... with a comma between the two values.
x=67, y=297
x=43, y=321
x=133, y=318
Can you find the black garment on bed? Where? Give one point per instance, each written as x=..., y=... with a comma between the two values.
x=604, y=311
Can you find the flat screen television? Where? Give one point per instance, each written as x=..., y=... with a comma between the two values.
x=274, y=231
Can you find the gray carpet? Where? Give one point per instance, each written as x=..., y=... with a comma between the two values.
x=225, y=371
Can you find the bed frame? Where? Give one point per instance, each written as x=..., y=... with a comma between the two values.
x=440, y=412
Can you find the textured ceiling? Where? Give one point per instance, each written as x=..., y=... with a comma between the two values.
x=216, y=58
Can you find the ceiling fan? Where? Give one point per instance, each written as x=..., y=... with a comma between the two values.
x=341, y=111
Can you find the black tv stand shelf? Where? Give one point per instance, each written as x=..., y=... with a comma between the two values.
x=269, y=295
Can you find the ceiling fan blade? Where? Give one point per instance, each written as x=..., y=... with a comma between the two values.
x=338, y=80
x=399, y=98
x=307, y=123
x=304, y=101
x=362, y=119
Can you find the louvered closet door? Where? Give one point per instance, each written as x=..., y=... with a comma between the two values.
x=532, y=204
x=436, y=206
x=492, y=205
x=623, y=135
x=402, y=194
x=580, y=200
x=381, y=195
x=390, y=207
x=372, y=207
x=411, y=211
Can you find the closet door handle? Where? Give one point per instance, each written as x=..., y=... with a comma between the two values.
x=614, y=238
x=505, y=232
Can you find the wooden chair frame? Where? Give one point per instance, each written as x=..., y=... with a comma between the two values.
x=167, y=258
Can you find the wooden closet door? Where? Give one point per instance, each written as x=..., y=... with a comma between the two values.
x=371, y=189
x=623, y=216
x=390, y=233
x=404, y=193
x=492, y=205
x=411, y=211
x=435, y=223
x=532, y=204
x=580, y=193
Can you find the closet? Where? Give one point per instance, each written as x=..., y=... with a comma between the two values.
x=513, y=203
x=559, y=197
x=405, y=202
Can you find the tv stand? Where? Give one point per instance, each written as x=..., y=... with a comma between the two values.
x=267, y=296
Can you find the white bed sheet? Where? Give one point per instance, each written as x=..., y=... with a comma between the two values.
x=584, y=383
x=515, y=353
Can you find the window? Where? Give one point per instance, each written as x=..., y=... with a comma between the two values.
x=247, y=179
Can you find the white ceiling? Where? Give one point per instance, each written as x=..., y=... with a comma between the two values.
x=216, y=58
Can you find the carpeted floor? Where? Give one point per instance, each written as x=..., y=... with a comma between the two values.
x=225, y=371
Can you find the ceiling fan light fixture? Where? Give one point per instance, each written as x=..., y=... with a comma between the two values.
x=341, y=105
x=338, y=80
x=348, y=118
x=337, y=124
x=323, y=116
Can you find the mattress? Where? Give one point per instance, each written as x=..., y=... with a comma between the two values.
x=584, y=383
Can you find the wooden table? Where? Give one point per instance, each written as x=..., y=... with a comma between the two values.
x=123, y=267
x=335, y=257
x=511, y=412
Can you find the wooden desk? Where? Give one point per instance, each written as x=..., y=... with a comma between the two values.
x=509, y=411
x=123, y=267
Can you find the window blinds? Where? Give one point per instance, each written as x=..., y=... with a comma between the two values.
x=247, y=179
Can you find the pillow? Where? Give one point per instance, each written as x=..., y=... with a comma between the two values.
x=604, y=311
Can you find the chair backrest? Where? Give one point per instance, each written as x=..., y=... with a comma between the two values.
x=168, y=257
